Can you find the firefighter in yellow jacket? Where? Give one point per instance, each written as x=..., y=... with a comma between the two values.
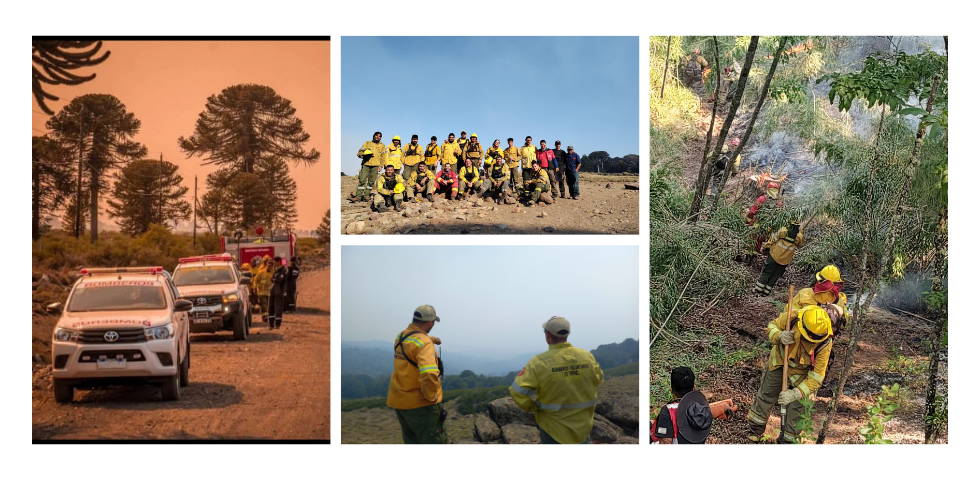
x=421, y=184
x=782, y=246
x=432, y=154
x=513, y=157
x=389, y=190
x=450, y=149
x=415, y=391
x=560, y=386
x=469, y=178
x=538, y=181
x=528, y=155
x=373, y=154
x=413, y=156
x=491, y=156
x=473, y=151
x=810, y=339
x=826, y=293
x=395, y=154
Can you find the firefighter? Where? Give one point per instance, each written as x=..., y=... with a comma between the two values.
x=474, y=152
x=432, y=154
x=253, y=290
x=721, y=164
x=447, y=182
x=769, y=200
x=390, y=187
x=462, y=143
x=539, y=182
x=557, y=172
x=469, y=179
x=292, y=276
x=263, y=286
x=782, y=246
x=395, y=154
x=687, y=419
x=450, y=150
x=527, y=156
x=560, y=386
x=421, y=184
x=373, y=155
x=497, y=181
x=693, y=69
x=415, y=391
x=277, y=294
x=412, y=157
x=729, y=77
x=826, y=293
x=513, y=157
x=491, y=158
x=810, y=339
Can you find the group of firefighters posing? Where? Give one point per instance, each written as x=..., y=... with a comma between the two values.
x=466, y=169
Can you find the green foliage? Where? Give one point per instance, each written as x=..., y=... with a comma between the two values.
x=476, y=400
x=53, y=62
x=323, y=230
x=805, y=424
x=889, y=79
x=631, y=368
x=879, y=413
x=940, y=418
x=616, y=354
x=148, y=192
x=58, y=250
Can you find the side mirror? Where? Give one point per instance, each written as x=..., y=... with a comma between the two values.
x=183, y=305
x=53, y=307
x=245, y=281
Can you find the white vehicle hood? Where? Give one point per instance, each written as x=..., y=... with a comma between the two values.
x=191, y=291
x=121, y=319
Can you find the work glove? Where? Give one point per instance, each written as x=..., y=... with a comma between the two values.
x=786, y=337
x=787, y=397
x=436, y=340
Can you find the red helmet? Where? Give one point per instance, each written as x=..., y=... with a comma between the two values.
x=735, y=141
x=773, y=185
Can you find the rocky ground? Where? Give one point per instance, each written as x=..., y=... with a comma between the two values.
x=274, y=385
x=606, y=206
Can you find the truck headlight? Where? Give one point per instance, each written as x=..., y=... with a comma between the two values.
x=65, y=335
x=162, y=332
x=228, y=298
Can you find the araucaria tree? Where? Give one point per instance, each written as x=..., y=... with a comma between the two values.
x=147, y=192
x=98, y=128
x=52, y=63
x=50, y=179
x=250, y=130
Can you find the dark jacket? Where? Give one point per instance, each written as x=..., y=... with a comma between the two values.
x=279, y=281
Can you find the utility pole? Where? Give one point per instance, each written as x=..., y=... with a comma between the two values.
x=160, y=187
x=78, y=191
x=194, y=235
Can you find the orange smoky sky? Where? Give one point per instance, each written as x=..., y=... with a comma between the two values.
x=166, y=84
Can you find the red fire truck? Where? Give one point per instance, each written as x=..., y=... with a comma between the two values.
x=274, y=244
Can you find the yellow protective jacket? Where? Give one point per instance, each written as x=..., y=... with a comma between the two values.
x=474, y=171
x=432, y=154
x=378, y=150
x=414, y=178
x=394, y=156
x=528, y=155
x=781, y=249
x=512, y=157
x=462, y=143
x=560, y=386
x=382, y=179
x=449, y=152
x=807, y=362
x=262, y=280
x=411, y=386
x=489, y=159
x=499, y=173
x=474, y=151
x=806, y=296
x=413, y=154
x=539, y=178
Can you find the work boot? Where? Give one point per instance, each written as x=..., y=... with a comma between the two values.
x=429, y=197
x=382, y=208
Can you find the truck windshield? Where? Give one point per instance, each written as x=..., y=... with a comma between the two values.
x=205, y=275
x=117, y=297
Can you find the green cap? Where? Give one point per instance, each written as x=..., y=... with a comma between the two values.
x=557, y=326
x=425, y=313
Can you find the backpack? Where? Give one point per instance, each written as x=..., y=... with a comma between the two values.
x=401, y=345
x=693, y=68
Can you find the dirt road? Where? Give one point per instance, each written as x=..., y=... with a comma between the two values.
x=275, y=385
x=600, y=210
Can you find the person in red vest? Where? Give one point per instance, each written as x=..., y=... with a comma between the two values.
x=686, y=420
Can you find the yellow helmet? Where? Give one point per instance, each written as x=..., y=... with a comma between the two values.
x=367, y=151
x=830, y=272
x=397, y=138
x=399, y=188
x=473, y=136
x=815, y=325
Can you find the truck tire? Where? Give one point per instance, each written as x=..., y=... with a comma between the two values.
x=185, y=368
x=63, y=392
x=240, y=326
x=171, y=388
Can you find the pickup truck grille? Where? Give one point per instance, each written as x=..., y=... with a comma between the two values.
x=130, y=335
x=208, y=300
x=92, y=356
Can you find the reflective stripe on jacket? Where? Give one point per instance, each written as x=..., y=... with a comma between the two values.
x=412, y=387
x=378, y=151
x=413, y=154
x=385, y=179
x=807, y=366
x=560, y=386
x=527, y=156
x=394, y=156
x=469, y=175
x=781, y=249
x=414, y=179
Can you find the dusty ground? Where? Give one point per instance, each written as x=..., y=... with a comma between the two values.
x=599, y=210
x=274, y=386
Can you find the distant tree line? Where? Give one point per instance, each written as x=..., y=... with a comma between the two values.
x=601, y=162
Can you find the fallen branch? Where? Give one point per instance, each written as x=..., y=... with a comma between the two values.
x=664, y=324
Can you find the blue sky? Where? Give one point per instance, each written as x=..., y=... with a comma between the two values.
x=580, y=90
x=594, y=287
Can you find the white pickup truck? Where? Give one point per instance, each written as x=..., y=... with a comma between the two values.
x=219, y=293
x=122, y=325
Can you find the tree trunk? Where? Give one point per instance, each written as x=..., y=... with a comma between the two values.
x=663, y=82
x=755, y=114
x=940, y=315
x=93, y=210
x=707, y=140
x=36, y=202
x=704, y=176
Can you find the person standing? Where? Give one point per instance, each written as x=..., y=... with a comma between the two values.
x=450, y=151
x=527, y=156
x=781, y=247
x=432, y=154
x=491, y=158
x=560, y=386
x=263, y=285
x=292, y=276
x=395, y=154
x=415, y=390
x=277, y=294
x=413, y=156
x=557, y=171
x=462, y=143
x=474, y=152
x=372, y=154
x=572, y=164
x=512, y=155
x=693, y=69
